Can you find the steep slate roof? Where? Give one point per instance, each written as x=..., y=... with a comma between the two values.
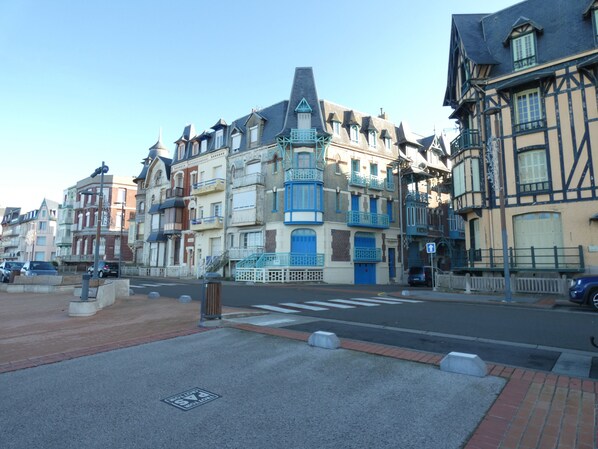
x=304, y=86
x=469, y=28
x=274, y=119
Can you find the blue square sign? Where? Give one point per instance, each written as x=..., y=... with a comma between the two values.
x=431, y=248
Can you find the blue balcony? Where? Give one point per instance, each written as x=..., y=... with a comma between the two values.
x=358, y=180
x=367, y=255
x=367, y=220
x=304, y=135
x=290, y=260
x=304, y=174
x=373, y=182
x=417, y=197
x=390, y=185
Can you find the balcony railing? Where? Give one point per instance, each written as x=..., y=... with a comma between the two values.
x=524, y=62
x=248, y=180
x=290, y=260
x=304, y=135
x=417, y=197
x=559, y=259
x=304, y=174
x=367, y=220
x=239, y=253
x=469, y=138
x=371, y=181
x=367, y=254
x=175, y=192
x=534, y=187
x=529, y=126
x=209, y=186
x=205, y=223
x=390, y=185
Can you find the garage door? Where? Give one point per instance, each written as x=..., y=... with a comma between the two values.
x=540, y=231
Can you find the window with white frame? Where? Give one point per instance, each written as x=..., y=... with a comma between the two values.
x=252, y=239
x=216, y=209
x=372, y=138
x=336, y=128
x=533, y=171
x=236, y=141
x=524, y=51
x=303, y=120
x=387, y=143
x=459, y=179
x=181, y=151
x=475, y=175
x=204, y=146
x=253, y=135
x=528, y=110
x=354, y=133
x=195, y=150
x=219, y=138
x=193, y=178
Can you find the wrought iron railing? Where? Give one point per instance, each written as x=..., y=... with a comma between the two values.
x=367, y=254
x=304, y=135
x=532, y=187
x=290, y=259
x=469, y=138
x=366, y=219
x=528, y=126
x=524, y=62
x=304, y=174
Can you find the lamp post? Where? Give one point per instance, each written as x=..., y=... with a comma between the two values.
x=499, y=184
x=96, y=257
x=120, y=242
x=402, y=229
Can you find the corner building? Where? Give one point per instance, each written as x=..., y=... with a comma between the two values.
x=522, y=83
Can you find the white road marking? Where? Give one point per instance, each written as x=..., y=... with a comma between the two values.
x=355, y=303
x=276, y=309
x=412, y=301
x=379, y=301
x=301, y=306
x=329, y=304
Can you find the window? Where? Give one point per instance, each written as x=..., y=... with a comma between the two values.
x=389, y=210
x=195, y=150
x=274, y=201
x=219, y=138
x=204, y=145
x=336, y=128
x=459, y=179
x=528, y=110
x=354, y=165
x=475, y=175
x=337, y=202
x=251, y=239
x=216, y=209
x=595, y=15
x=181, y=151
x=303, y=160
x=304, y=197
x=87, y=217
x=354, y=134
x=337, y=166
x=304, y=120
x=524, y=51
x=474, y=239
x=533, y=171
x=374, y=169
x=253, y=135
x=372, y=139
x=387, y=144
x=236, y=141
x=43, y=225
x=41, y=241
x=193, y=178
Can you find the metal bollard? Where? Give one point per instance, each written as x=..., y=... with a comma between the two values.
x=85, y=287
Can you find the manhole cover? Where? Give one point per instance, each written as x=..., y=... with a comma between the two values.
x=190, y=399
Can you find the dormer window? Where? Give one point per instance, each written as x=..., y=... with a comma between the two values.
x=524, y=51
x=253, y=135
x=236, y=141
x=204, y=145
x=195, y=149
x=336, y=128
x=372, y=136
x=181, y=151
x=219, y=138
x=354, y=131
x=303, y=111
x=387, y=143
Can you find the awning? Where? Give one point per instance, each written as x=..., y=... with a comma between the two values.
x=154, y=209
x=172, y=202
x=524, y=79
x=157, y=237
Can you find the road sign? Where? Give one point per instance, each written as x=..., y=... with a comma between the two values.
x=431, y=248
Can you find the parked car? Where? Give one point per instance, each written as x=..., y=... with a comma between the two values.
x=421, y=275
x=584, y=291
x=105, y=269
x=6, y=267
x=38, y=268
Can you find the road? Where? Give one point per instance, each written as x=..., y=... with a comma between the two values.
x=556, y=339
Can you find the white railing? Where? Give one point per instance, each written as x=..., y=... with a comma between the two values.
x=279, y=275
x=489, y=284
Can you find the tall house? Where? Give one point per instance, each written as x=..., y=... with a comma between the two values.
x=110, y=222
x=302, y=190
x=10, y=246
x=66, y=224
x=522, y=84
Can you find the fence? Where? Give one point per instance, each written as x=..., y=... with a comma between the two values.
x=536, y=285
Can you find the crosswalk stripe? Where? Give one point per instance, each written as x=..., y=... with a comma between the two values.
x=276, y=309
x=411, y=301
x=355, y=303
x=301, y=306
x=329, y=304
x=380, y=301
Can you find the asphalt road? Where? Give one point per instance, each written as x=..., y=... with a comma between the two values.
x=516, y=335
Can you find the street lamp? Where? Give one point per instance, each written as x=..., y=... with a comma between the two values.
x=96, y=257
x=120, y=242
x=499, y=184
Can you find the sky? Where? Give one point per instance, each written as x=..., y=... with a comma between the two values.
x=83, y=82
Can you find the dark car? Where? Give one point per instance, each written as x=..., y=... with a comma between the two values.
x=38, y=268
x=584, y=291
x=8, y=266
x=105, y=269
x=420, y=276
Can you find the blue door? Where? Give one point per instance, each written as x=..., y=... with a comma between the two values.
x=373, y=205
x=354, y=202
x=303, y=247
x=365, y=273
x=392, y=267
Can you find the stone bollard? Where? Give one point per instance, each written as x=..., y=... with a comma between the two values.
x=153, y=295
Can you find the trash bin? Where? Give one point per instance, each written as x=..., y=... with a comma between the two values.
x=211, y=304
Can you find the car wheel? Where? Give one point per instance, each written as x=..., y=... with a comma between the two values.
x=593, y=299
x=101, y=274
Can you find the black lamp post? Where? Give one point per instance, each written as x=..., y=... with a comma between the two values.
x=96, y=257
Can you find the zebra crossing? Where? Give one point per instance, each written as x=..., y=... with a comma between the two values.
x=329, y=304
x=154, y=284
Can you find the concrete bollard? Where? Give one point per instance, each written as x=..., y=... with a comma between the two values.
x=184, y=299
x=462, y=363
x=153, y=295
x=326, y=340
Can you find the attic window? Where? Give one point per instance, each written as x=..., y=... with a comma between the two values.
x=524, y=51
x=236, y=141
x=354, y=133
x=181, y=152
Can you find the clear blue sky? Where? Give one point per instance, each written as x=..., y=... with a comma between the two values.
x=89, y=81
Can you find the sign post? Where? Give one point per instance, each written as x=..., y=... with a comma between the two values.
x=431, y=250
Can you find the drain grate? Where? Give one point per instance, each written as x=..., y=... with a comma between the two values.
x=190, y=399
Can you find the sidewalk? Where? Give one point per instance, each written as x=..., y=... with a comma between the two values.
x=532, y=409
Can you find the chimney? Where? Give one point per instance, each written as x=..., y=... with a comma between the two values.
x=382, y=114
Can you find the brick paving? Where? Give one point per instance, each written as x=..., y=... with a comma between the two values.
x=535, y=410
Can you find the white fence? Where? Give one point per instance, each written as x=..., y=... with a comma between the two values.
x=281, y=275
x=558, y=286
